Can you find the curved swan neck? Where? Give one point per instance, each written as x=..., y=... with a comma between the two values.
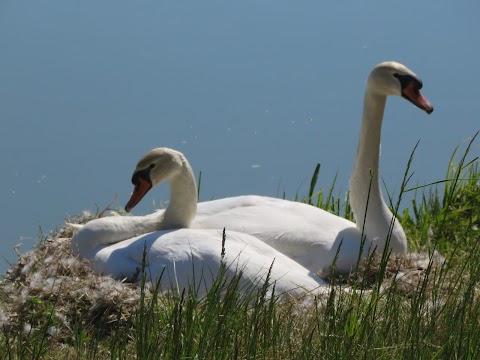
x=376, y=221
x=364, y=182
x=368, y=151
x=183, y=199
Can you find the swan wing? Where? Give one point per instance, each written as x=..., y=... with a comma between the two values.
x=185, y=256
x=306, y=234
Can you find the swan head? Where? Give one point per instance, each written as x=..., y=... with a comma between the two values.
x=155, y=167
x=392, y=78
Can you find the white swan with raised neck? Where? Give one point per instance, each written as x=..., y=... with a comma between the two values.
x=309, y=235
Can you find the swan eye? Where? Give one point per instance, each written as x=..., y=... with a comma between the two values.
x=151, y=166
x=406, y=80
x=142, y=174
x=135, y=181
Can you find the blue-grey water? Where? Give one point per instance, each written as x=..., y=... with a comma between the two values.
x=255, y=93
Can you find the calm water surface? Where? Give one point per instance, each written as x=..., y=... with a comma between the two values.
x=255, y=94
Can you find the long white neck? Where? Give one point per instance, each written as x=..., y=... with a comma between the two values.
x=376, y=221
x=183, y=200
x=108, y=230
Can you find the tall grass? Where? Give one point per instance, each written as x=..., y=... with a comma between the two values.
x=389, y=310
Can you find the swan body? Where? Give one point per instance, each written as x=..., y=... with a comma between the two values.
x=306, y=234
x=312, y=236
x=184, y=256
x=116, y=245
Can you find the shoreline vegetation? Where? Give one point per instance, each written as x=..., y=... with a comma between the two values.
x=423, y=305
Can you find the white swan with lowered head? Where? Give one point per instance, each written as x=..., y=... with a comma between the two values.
x=116, y=245
x=309, y=235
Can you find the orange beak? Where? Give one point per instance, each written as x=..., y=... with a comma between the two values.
x=139, y=192
x=413, y=95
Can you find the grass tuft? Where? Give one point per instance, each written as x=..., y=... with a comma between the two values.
x=423, y=305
